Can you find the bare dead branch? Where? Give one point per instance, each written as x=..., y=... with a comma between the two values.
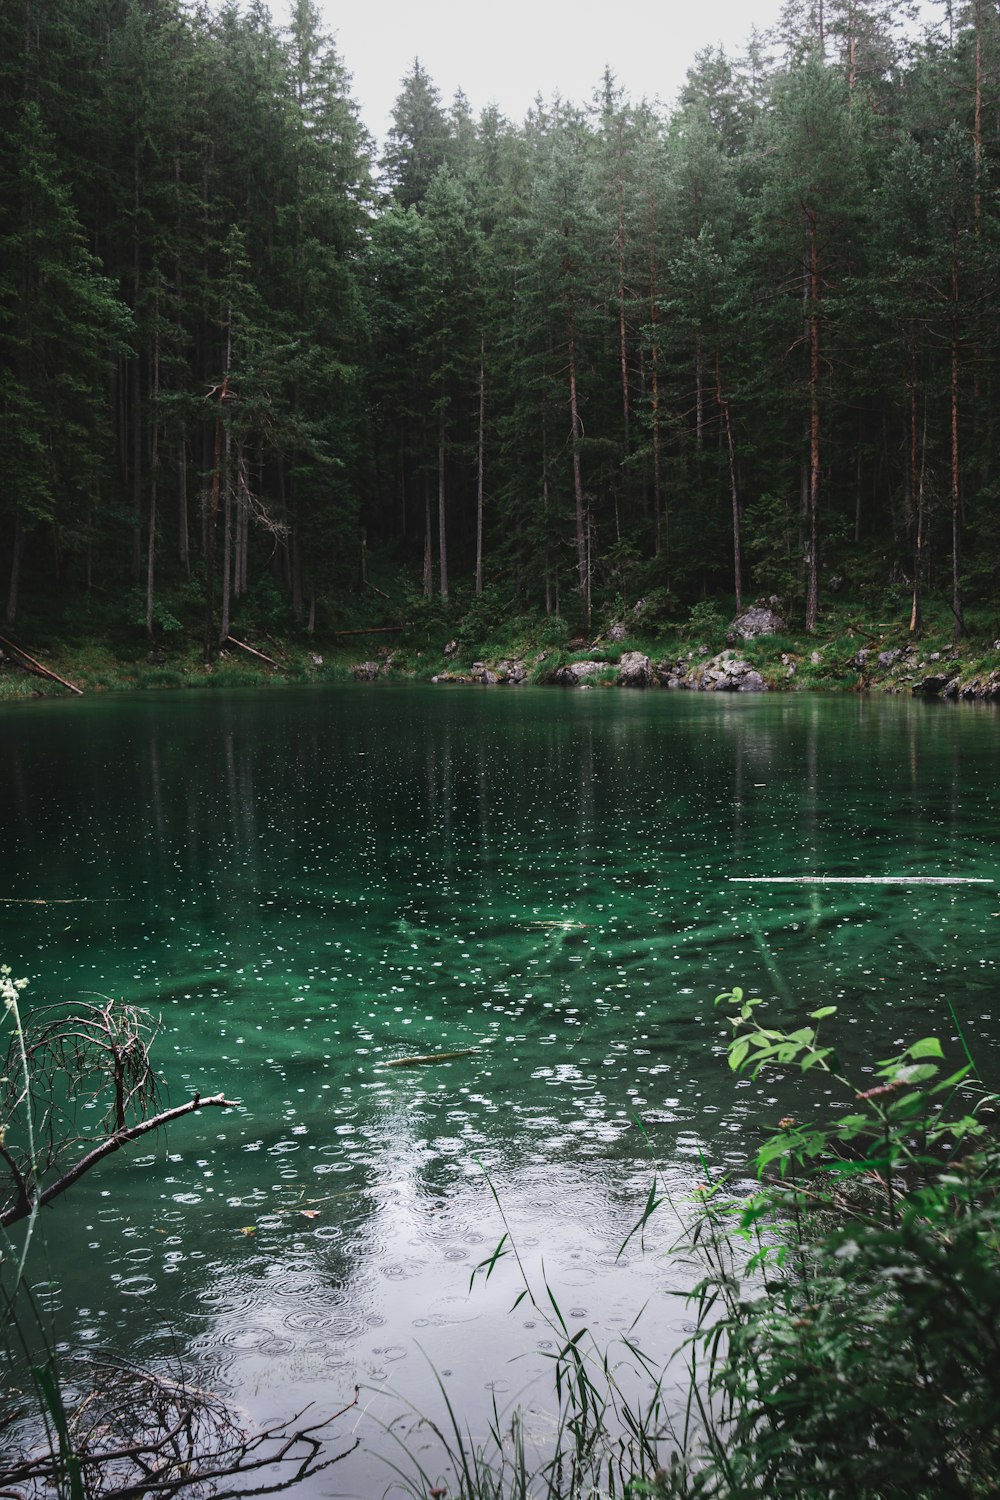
x=136, y=1433
x=114, y=1143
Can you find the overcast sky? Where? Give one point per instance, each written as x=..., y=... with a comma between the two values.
x=510, y=50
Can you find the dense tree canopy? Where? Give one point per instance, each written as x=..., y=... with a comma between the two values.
x=746, y=346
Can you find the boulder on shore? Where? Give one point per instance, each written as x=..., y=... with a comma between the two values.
x=671, y=674
x=635, y=670
x=365, y=671
x=726, y=673
x=511, y=670
x=753, y=623
x=575, y=673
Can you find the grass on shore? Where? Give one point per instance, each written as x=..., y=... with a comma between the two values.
x=100, y=652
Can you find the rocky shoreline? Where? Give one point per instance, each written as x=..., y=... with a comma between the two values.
x=726, y=672
x=906, y=669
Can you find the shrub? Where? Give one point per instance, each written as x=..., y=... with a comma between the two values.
x=706, y=624
x=850, y=1313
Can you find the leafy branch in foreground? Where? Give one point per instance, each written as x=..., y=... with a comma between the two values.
x=849, y=1317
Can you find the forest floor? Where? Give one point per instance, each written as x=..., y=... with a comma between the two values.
x=847, y=652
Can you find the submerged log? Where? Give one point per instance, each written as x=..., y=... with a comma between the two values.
x=422, y=1059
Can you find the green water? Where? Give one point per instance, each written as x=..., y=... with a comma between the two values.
x=307, y=884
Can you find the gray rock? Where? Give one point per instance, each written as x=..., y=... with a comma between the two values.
x=451, y=649
x=616, y=632
x=365, y=671
x=511, y=671
x=984, y=689
x=753, y=623
x=726, y=673
x=451, y=677
x=934, y=683
x=635, y=670
x=316, y=659
x=670, y=674
x=481, y=673
x=889, y=658
x=576, y=672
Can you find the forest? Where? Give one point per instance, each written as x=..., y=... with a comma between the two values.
x=739, y=347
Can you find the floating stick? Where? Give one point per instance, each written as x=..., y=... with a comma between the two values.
x=860, y=880
x=428, y=1057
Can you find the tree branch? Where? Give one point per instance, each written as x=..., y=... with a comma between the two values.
x=114, y=1142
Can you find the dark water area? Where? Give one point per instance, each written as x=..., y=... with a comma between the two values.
x=305, y=885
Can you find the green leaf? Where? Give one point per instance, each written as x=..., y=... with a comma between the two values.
x=822, y=1013
x=928, y=1046
x=953, y=1081
x=916, y=1073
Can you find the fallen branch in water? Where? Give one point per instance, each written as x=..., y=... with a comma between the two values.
x=25, y=1204
x=421, y=1059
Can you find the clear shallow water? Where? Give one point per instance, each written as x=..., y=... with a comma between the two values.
x=307, y=884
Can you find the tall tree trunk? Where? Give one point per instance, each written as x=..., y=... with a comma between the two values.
x=916, y=487
x=699, y=394
x=428, y=557
x=812, y=578
x=480, y=443
x=135, y=432
x=242, y=522
x=977, y=128
x=576, y=433
x=660, y=521
x=227, y=492
x=296, y=563
x=442, y=518
x=211, y=526
x=16, y=552
x=154, y=458
x=734, y=493
x=956, y=512
x=183, y=539
x=136, y=381
x=227, y=534
x=622, y=331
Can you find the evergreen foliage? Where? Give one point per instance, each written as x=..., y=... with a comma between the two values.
x=746, y=347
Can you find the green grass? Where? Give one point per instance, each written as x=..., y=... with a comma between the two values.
x=99, y=644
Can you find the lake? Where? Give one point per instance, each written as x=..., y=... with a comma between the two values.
x=307, y=884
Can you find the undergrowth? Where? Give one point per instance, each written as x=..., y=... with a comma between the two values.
x=846, y=1311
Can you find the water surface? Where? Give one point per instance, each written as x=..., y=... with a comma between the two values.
x=306, y=884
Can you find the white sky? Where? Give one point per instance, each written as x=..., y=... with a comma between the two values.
x=510, y=50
